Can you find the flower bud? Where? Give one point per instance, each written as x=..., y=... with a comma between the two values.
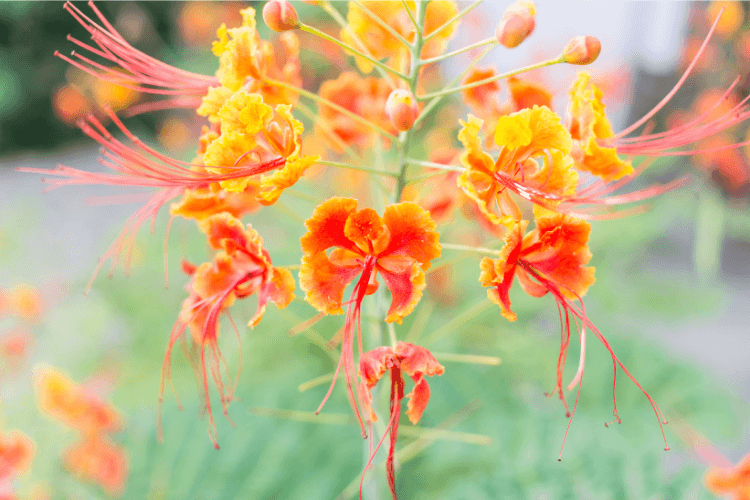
x=582, y=50
x=516, y=24
x=280, y=15
x=401, y=108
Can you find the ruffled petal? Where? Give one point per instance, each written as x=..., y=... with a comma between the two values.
x=406, y=290
x=213, y=101
x=201, y=203
x=412, y=233
x=325, y=229
x=417, y=362
x=372, y=366
x=271, y=186
x=324, y=282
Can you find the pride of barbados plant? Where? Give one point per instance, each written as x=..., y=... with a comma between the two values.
x=516, y=159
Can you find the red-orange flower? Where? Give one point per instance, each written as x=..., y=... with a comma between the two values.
x=99, y=461
x=552, y=259
x=241, y=268
x=408, y=358
x=734, y=481
x=16, y=453
x=399, y=246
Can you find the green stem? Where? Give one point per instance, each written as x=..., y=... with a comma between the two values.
x=447, y=55
x=452, y=20
x=331, y=10
x=430, y=105
x=417, y=25
x=331, y=104
x=467, y=248
x=355, y=167
x=430, y=164
x=382, y=23
x=349, y=48
x=471, y=85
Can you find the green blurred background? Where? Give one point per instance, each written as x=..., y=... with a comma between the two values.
x=678, y=325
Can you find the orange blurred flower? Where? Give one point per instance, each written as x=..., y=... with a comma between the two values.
x=399, y=246
x=75, y=406
x=363, y=96
x=98, y=460
x=382, y=44
x=734, y=481
x=415, y=361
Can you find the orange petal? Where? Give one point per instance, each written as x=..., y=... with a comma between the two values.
x=282, y=290
x=372, y=366
x=406, y=289
x=366, y=229
x=325, y=229
x=273, y=185
x=99, y=461
x=204, y=202
x=412, y=233
x=324, y=282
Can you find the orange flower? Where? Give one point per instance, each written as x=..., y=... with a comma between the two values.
x=99, y=461
x=408, y=358
x=75, y=405
x=734, y=480
x=399, y=246
x=16, y=453
x=552, y=259
x=382, y=44
x=245, y=61
x=241, y=268
x=534, y=149
x=22, y=301
x=365, y=97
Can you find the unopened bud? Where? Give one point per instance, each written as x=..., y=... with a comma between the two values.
x=401, y=108
x=582, y=50
x=280, y=15
x=516, y=24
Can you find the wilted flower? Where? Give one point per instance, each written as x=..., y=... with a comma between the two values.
x=416, y=362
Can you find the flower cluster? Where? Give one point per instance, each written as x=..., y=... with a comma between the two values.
x=520, y=161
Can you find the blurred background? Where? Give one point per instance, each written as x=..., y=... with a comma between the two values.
x=673, y=285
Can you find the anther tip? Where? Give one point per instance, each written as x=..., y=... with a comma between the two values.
x=559, y=459
x=216, y=446
x=667, y=448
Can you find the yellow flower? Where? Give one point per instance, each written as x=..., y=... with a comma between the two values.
x=587, y=123
x=534, y=162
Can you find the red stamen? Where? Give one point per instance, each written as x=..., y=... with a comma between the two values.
x=140, y=72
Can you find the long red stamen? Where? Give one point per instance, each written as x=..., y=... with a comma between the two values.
x=147, y=168
x=138, y=71
x=353, y=313
x=580, y=314
x=397, y=394
x=677, y=86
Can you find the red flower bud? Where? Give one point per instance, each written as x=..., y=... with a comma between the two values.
x=401, y=108
x=582, y=50
x=280, y=15
x=516, y=24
